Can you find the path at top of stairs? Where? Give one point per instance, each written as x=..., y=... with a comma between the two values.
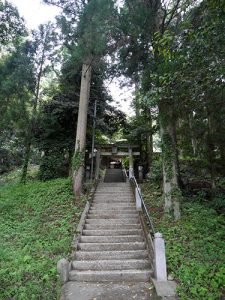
x=114, y=175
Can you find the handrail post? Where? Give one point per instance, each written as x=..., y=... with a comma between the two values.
x=160, y=270
x=160, y=258
x=138, y=199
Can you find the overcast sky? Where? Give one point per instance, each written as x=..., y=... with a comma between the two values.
x=35, y=13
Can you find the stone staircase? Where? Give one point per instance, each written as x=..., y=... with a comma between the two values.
x=112, y=245
x=112, y=261
x=114, y=175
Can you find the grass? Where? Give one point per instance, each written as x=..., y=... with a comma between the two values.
x=195, y=246
x=37, y=221
x=15, y=175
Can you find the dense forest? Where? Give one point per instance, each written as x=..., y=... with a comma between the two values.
x=173, y=54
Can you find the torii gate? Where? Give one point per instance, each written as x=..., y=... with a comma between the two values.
x=116, y=150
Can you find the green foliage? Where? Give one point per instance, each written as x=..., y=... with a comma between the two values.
x=155, y=174
x=53, y=166
x=78, y=160
x=218, y=203
x=12, y=27
x=37, y=223
x=55, y=136
x=195, y=246
x=13, y=176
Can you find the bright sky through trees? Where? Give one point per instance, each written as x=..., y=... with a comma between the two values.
x=35, y=12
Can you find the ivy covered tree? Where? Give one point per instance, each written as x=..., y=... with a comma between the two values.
x=85, y=23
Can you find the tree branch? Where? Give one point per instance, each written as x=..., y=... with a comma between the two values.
x=172, y=12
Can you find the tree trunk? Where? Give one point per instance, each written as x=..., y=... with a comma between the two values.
x=70, y=168
x=149, y=151
x=149, y=141
x=79, y=154
x=136, y=104
x=171, y=190
x=26, y=161
x=222, y=154
x=193, y=139
x=210, y=153
x=33, y=118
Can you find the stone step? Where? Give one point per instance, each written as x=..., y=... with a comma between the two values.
x=114, y=191
x=115, y=210
x=118, y=232
x=98, y=265
x=126, y=254
x=111, y=188
x=117, y=184
x=112, y=221
x=111, y=246
x=112, y=216
x=108, y=226
x=113, y=194
x=111, y=239
x=112, y=205
x=118, y=215
x=113, y=275
x=113, y=200
x=78, y=290
x=121, y=185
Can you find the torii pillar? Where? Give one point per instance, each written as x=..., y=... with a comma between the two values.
x=131, y=164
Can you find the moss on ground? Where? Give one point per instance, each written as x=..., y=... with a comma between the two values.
x=37, y=221
x=195, y=246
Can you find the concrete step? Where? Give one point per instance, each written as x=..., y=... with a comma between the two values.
x=125, y=254
x=117, y=184
x=108, y=226
x=112, y=221
x=114, y=210
x=112, y=205
x=77, y=290
x=112, y=216
x=114, y=196
x=111, y=189
x=114, y=189
x=111, y=239
x=112, y=213
x=111, y=246
x=113, y=192
x=113, y=200
x=112, y=232
x=100, y=215
x=113, y=275
x=98, y=265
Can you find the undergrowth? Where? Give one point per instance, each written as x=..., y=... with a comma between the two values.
x=13, y=177
x=195, y=246
x=37, y=221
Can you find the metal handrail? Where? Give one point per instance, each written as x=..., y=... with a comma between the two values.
x=144, y=205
